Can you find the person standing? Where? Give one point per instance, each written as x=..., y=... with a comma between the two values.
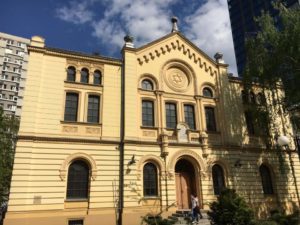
x=195, y=209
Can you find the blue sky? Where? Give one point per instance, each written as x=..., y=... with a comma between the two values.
x=100, y=25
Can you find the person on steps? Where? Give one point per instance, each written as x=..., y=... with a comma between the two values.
x=196, y=213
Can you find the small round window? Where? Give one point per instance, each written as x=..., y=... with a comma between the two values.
x=207, y=92
x=147, y=85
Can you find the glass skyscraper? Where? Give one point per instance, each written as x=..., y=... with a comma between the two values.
x=242, y=14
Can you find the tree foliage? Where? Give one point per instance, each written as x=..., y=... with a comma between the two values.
x=9, y=126
x=230, y=209
x=273, y=59
x=278, y=218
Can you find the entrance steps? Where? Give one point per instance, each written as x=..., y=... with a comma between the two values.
x=184, y=217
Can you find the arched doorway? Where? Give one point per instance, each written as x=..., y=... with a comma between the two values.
x=185, y=183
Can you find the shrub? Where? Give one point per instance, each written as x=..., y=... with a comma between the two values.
x=282, y=219
x=230, y=209
x=156, y=220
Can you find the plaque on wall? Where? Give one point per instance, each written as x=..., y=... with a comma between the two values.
x=182, y=132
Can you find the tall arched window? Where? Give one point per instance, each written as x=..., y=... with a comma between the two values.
x=171, y=115
x=71, y=107
x=207, y=92
x=266, y=179
x=147, y=85
x=93, y=109
x=210, y=119
x=78, y=180
x=218, y=179
x=84, y=75
x=147, y=113
x=71, y=74
x=97, y=77
x=150, y=180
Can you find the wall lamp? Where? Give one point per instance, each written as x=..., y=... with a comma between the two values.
x=132, y=160
x=238, y=163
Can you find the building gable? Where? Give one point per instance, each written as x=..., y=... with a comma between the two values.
x=176, y=42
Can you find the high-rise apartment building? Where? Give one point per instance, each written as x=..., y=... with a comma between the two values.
x=13, y=67
x=242, y=17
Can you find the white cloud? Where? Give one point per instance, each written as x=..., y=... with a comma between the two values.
x=145, y=20
x=209, y=28
x=77, y=13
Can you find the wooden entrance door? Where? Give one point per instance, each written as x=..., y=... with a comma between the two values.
x=183, y=190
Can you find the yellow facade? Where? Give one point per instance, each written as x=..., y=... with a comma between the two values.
x=179, y=72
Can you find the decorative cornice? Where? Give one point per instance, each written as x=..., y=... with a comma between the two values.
x=72, y=84
x=63, y=139
x=154, y=143
x=75, y=55
x=186, y=50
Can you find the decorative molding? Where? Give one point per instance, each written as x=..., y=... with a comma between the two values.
x=223, y=163
x=150, y=77
x=79, y=64
x=179, y=46
x=189, y=154
x=148, y=133
x=67, y=140
x=70, y=129
x=177, y=79
x=91, y=130
x=185, y=70
x=75, y=156
x=76, y=55
x=149, y=158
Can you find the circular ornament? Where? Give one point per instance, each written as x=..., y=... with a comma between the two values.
x=177, y=79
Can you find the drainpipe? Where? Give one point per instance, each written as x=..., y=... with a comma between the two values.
x=121, y=151
x=121, y=148
x=128, y=44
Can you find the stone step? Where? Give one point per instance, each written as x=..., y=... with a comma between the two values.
x=184, y=217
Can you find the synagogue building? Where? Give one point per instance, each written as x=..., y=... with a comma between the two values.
x=104, y=140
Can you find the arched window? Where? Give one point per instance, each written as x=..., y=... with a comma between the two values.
x=147, y=85
x=97, y=77
x=266, y=179
x=218, y=179
x=78, y=180
x=189, y=116
x=84, y=76
x=71, y=74
x=252, y=98
x=150, y=180
x=71, y=107
x=171, y=115
x=210, y=119
x=93, y=109
x=147, y=113
x=207, y=92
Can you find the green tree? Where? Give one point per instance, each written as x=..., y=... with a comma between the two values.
x=9, y=126
x=273, y=59
x=230, y=209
